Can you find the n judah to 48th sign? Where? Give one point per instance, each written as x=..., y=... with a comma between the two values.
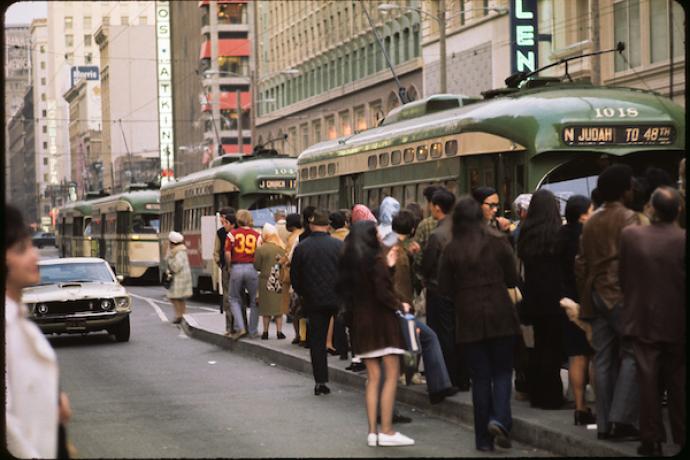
x=523, y=36
x=165, y=112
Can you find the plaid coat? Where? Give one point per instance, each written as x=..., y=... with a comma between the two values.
x=178, y=264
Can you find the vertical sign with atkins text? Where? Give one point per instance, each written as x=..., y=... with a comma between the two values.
x=523, y=36
x=165, y=112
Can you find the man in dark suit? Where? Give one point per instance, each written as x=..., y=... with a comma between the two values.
x=652, y=275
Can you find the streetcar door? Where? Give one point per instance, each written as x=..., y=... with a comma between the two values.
x=101, y=238
x=350, y=191
x=121, y=241
x=177, y=218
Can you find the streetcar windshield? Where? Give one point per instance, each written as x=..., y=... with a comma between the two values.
x=146, y=223
x=75, y=272
x=265, y=206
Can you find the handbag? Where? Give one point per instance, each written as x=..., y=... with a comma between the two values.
x=273, y=284
x=413, y=345
x=167, y=279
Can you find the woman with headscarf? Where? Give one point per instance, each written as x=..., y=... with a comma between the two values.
x=267, y=263
x=361, y=212
x=178, y=264
x=389, y=208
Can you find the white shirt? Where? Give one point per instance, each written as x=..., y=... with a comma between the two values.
x=31, y=380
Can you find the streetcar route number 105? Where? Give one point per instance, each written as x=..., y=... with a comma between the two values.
x=617, y=112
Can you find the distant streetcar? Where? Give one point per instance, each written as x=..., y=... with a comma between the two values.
x=262, y=183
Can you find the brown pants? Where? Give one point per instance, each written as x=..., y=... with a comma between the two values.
x=653, y=360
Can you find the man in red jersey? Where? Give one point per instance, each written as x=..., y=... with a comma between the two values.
x=241, y=243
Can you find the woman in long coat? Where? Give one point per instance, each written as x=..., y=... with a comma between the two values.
x=178, y=264
x=365, y=286
x=267, y=256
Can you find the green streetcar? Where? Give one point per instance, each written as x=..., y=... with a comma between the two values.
x=546, y=134
x=261, y=183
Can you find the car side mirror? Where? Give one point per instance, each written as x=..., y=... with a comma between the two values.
x=120, y=278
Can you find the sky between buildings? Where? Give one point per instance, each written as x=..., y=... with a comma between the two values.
x=25, y=12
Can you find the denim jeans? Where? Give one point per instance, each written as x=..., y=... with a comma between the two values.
x=618, y=392
x=437, y=378
x=490, y=363
x=440, y=316
x=244, y=276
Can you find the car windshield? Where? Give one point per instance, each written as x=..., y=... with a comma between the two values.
x=82, y=272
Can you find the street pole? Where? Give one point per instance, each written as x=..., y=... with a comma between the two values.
x=239, y=123
x=442, y=43
x=254, y=73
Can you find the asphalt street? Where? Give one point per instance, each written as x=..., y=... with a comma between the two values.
x=164, y=395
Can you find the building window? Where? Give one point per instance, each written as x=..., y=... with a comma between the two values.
x=43, y=97
x=45, y=161
x=69, y=40
x=626, y=28
x=375, y=113
x=45, y=146
x=69, y=57
x=659, y=30
x=44, y=113
x=305, y=136
x=331, y=132
x=87, y=23
x=316, y=130
x=88, y=58
x=43, y=65
x=124, y=20
x=234, y=64
x=43, y=49
x=143, y=20
x=345, y=123
x=463, y=8
x=232, y=13
x=87, y=40
x=44, y=129
x=360, y=119
x=68, y=22
x=105, y=20
x=43, y=81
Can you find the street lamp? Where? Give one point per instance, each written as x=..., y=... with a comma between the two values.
x=441, y=19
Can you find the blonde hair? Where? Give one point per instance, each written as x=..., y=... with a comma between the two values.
x=244, y=218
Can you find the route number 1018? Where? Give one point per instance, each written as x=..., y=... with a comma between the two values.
x=618, y=112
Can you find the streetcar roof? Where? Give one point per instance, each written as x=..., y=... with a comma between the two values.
x=532, y=118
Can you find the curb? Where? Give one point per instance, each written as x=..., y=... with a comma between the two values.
x=524, y=430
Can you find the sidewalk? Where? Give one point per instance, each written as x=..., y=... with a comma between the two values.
x=550, y=430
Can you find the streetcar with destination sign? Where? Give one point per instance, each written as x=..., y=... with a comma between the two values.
x=539, y=133
x=262, y=183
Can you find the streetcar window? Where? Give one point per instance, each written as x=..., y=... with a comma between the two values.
x=396, y=157
x=410, y=194
x=88, y=229
x=372, y=162
x=408, y=155
x=322, y=170
x=422, y=153
x=451, y=148
x=312, y=172
x=146, y=223
x=122, y=222
x=383, y=159
x=436, y=150
x=331, y=169
x=304, y=174
x=373, y=201
x=333, y=201
x=397, y=193
x=452, y=186
x=385, y=191
x=78, y=226
x=264, y=206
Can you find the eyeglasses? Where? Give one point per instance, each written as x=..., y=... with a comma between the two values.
x=491, y=205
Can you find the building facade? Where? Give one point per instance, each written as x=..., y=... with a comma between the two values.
x=17, y=80
x=480, y=49
x=70, y=43
x=225, y=76
x=129, y=118
x=22, y=159
x=188, y=125
x=321, y=72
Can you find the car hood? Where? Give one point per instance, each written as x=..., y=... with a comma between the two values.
x=72, y=291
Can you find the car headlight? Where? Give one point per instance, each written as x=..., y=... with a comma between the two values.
x=122, y=303
x=41, y=308
x=106, y=304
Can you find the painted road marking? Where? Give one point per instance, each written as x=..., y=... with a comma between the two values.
x=156, y=308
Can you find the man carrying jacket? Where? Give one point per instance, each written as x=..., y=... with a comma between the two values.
x=313, y=273
x=601, y=297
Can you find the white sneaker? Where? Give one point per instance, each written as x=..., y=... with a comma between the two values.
x=396, y=439
x=372, y=439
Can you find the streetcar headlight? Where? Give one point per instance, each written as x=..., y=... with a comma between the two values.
x=106, y=304
x=42, y=308
x=122, y=303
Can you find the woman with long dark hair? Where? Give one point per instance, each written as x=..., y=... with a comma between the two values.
x=579, y=352
x=365, y=286
x=537, y=249
x=477, y=269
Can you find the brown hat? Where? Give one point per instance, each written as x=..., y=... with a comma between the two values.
x=320, y=218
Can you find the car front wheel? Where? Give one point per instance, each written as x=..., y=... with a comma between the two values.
x=121, y=330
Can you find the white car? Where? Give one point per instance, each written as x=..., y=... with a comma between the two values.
x=79, y=295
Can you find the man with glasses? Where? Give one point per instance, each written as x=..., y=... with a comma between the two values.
x=488, y=198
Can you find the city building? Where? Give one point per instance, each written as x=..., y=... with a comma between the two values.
x=129, y=112
x=482, y=51
x=70, y=44
x=22, y=159
x=225, y=76
x=17, y=79
x=85, y=128
x=188, y=126
x=321, y=72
